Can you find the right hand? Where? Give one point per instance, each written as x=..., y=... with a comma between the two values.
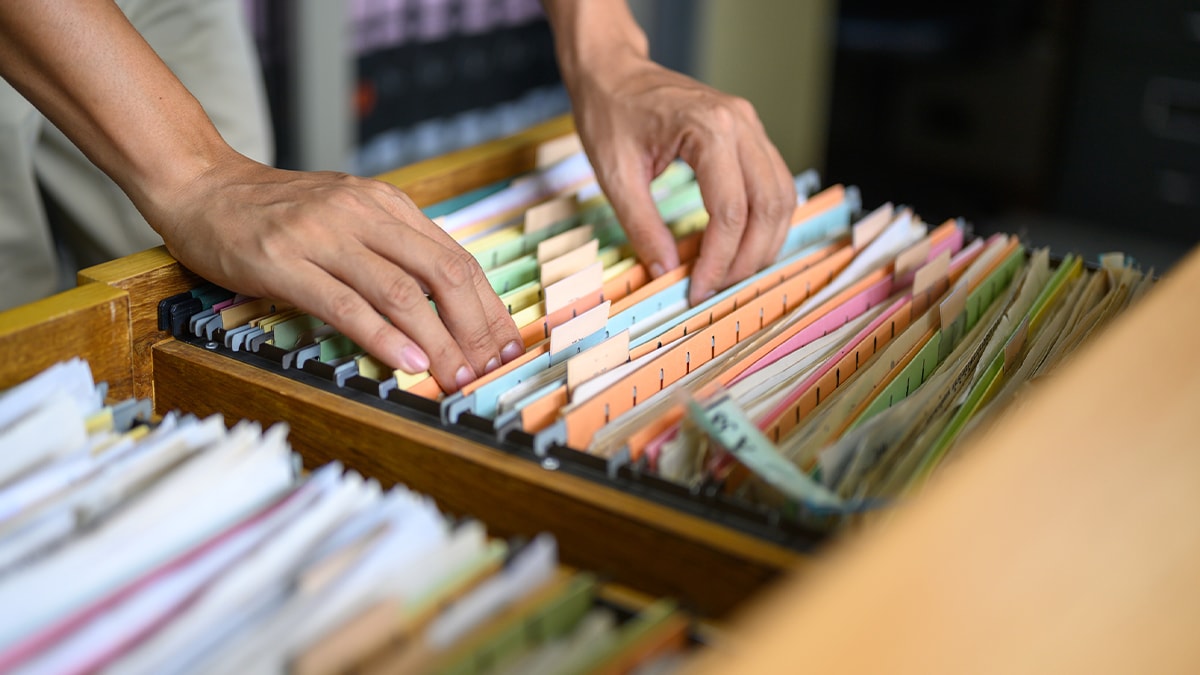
x=635, y=117
x=350, y=251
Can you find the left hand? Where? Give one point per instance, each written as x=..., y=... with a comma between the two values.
x=635, y=117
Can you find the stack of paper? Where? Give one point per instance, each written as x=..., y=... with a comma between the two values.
x=185, y=546
x=894, y=414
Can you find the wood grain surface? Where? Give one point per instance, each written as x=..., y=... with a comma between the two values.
x=441, y=178
x=91, y=322
x=148, y=277
x=630, y=540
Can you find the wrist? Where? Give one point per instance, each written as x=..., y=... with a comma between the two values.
x=595, y=40
x=164, y=193
x=158, y=181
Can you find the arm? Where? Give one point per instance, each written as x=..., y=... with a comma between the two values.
x=343, y=248
x=634, y=117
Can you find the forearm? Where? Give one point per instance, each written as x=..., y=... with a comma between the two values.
x=89, y=71
x=592, y=34
x=356, y=253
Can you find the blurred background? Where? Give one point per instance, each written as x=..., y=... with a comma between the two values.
x=1073, y=122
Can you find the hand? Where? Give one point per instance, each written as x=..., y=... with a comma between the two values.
x=351, y=251
x=635, y=117
x=346, y=249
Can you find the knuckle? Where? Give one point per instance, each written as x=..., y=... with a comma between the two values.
x=344, y=197
x=730, y=215
x=388, y=192
x=380, y=335
x=743, y=108
x=401, y=196
x=721, y=120
x=445, y=354
x=478, y=341
x=344, y=178
x=775, y=211
x=343, y=306
x=274, y=245
x=460, y=270
x=282, y=238
x=614, y=169
x=403, y=296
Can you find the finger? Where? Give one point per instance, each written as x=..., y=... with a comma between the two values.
x=394, y=292
x=503, y=334
x=787, y=200
x=466, y=306
x=627, y=186
x=771, y=200
x=466, y=302
x=777, y=244
x=717, y=173
x=483, y=327
x=316, y=291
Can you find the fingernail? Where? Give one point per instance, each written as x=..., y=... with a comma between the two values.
x=463, y=377
x=413, y=359
x=511, y=351
x=492, y=364
x=656, y=270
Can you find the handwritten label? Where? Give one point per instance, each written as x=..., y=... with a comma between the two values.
x=725, y=422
